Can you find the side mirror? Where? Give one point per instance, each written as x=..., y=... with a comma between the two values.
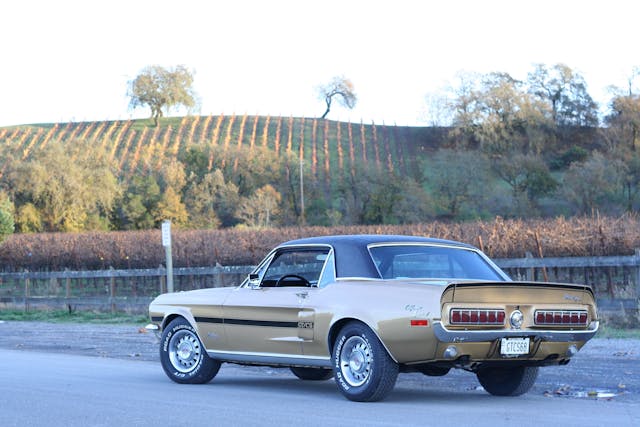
x=254, y=281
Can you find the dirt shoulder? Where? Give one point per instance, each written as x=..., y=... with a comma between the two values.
x=114, y=341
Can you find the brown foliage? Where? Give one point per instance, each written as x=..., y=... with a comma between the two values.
x=500, y=238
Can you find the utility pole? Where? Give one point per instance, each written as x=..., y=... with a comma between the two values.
x=166, y=242
x=302, y=192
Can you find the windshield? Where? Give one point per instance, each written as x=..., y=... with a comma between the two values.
x=431, y=262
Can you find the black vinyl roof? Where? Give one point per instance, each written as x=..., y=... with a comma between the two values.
x=352, y=255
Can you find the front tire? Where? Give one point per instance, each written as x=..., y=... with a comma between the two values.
x=312, y=374
x=182, y=355
x=508, y=381
x=363, y=370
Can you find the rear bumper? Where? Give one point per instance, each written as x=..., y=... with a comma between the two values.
x=457, y=336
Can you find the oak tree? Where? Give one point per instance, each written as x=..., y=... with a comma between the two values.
x=459, y=181
x=261, y=209
x=161, y=89
x=71, y=186
x=594, y=185
x=565, y=91
x=6, y=217
x=495, y=113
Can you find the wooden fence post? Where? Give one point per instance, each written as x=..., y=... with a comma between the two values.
x=163, y=279
x=637, y=268
x=67, y=285
x=112, y=290
x=27, y=290
x=544, y=269
x=531, y=272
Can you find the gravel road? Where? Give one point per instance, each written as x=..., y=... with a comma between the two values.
x=604, y=368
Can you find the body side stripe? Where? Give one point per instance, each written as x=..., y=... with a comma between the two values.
x=268, y=323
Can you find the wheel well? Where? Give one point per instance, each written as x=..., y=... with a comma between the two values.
x=335, y=328
x=169, y=319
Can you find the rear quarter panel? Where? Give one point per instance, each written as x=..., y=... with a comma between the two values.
x=387, y=307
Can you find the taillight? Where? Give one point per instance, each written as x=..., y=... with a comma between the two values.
x=561, y=317
x=465, y=316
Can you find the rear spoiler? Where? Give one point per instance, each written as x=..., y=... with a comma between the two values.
x=568, y=286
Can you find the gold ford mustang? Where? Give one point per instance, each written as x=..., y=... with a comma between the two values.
x=361, y=309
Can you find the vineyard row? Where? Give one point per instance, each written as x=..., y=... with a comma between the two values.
x=326, y=148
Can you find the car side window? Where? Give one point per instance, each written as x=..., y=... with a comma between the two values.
x=329, y=272
x=295, y=267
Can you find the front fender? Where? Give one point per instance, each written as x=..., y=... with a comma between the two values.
x=164, y=314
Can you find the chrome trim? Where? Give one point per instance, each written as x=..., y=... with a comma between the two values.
x=287, y=339
x=516, y=319
x=446, y=335
x=152, y=327
x=269, y=359
x=266, y=261
x=359, y=279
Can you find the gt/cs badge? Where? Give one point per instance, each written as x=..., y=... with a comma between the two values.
x=305, y=325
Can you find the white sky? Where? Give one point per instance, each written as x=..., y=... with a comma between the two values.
x=70, y=60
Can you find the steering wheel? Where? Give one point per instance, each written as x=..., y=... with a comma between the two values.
x=294, y=276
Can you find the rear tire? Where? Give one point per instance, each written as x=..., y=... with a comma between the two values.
x=182, y=355
x=508, y=381
x=363, y=370
x=312, y=374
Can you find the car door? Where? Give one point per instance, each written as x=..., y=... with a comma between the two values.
x=317, y=312
x=264, y=316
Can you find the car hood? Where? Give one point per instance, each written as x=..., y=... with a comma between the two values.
x=211, y=296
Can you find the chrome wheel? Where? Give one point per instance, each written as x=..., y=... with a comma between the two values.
x=363, y=369
x=183, y=356
x=356, y=361
x=184, y=351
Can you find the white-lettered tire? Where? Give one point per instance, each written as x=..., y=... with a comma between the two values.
x=363, y=370
x=312, y=374
x=508, y=381
x=182, y=355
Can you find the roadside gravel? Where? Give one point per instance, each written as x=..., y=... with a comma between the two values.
x=605, y=368
x=114, y=341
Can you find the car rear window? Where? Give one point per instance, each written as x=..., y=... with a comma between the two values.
x=431, y=262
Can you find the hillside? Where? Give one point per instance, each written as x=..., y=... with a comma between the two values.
x=325, y=146
x=210, y=171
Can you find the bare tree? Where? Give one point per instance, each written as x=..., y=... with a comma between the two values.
x=623, y=119
x=339, y=87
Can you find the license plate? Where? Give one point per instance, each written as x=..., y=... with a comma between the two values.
x=514, y=346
